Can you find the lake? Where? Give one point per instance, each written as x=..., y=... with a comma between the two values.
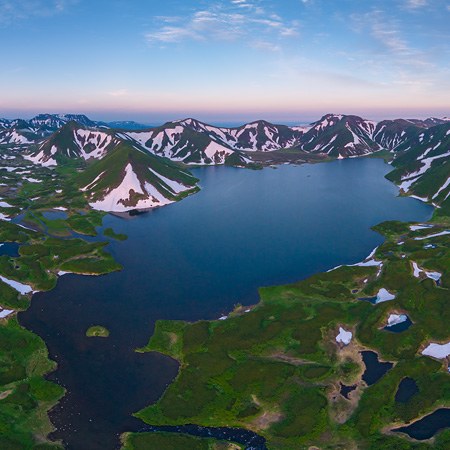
x=194, y=260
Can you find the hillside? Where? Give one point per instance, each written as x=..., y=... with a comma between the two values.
x=72, y=141
x=422, y=166
x=129, y=178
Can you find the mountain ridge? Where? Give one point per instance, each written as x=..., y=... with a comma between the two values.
x=419, y=149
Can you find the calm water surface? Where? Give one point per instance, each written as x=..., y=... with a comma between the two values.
x=406, y=390
x=428, y=426
x=195, y=260
x=375, y=369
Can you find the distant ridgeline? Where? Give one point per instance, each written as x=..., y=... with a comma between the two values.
x=128, y=167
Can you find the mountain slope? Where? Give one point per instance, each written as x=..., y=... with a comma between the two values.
x=196, y=143
x=389, y=134
x=193, y=142
x=340, y=136
x=255, y=136
x=72, y=141
x=184, y=144
x=129, y=178
x=48, y=123
x=17, y=133
x=422, y=167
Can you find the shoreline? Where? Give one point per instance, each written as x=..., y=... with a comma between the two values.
x=87, y=274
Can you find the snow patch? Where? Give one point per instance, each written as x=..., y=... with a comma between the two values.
x=395, y=319
x=384, y=296
x=443, y=233
x=439, y=351
x=21, y=288
x=344, y=336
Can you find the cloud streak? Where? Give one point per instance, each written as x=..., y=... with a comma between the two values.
x=415, y=4
x=13, y=10
x=388, y=35
x=226, y=21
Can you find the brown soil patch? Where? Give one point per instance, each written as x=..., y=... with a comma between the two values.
x=5, y=394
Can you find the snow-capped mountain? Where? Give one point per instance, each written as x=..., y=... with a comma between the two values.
x=423, y=164
x=48, y=123
x=4, y=124
x=181, y=143
x=194, y=142
x=16, y=133
x=120, y=174
x=255, y=136
x=122, y=170
x=340, y=136
x=390, y=134
x=197, y=143
x=25, y=132
x=72, y=141
x=129, y=177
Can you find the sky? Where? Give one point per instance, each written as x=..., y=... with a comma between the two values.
x=225, y=60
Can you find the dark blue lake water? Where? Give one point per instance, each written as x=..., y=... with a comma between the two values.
x=375, y=369
x=428, y=426
x=195, y=260
x=406, y=390
x=9, y=249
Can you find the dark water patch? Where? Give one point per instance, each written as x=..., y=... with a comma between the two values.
x=54, y=215
x=375, y=369
x=20, y=220
x=406, y=390
x=345, y=390
x=249, y=439
x=399, y=327
x=372, y=300
x=9, y=249
x=428, y=426
x=194, y=260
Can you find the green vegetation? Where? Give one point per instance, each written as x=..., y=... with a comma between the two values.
x=97, y=331
x=109, y=232
x=430, y=183
x=277, y=369
x=25, y=395
x=107, y=173
x=46, y=248
x=169, y=441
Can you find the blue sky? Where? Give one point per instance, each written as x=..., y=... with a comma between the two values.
x=225, y=60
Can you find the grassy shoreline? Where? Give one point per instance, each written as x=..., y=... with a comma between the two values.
x=254, y=369
x=46, y=251
x=42, y=257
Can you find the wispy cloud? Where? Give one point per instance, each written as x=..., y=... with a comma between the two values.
x=13, y=10
x=390, y=38
x=226, y=21
x=393, y=55
x=414, y=4
x=266, y=45
x=118, y=93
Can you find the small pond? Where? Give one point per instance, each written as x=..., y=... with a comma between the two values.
x=374, y=368
x=428, y=426
x=406, y=390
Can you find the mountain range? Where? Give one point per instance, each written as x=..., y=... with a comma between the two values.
x=115, y=155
